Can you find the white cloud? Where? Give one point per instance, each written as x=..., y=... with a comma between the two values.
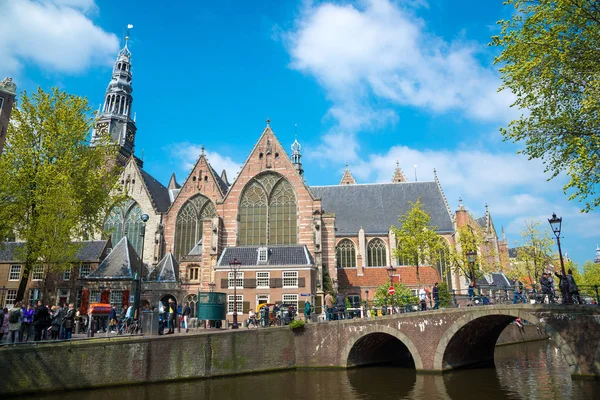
x=188, y=153
x=57, y=35
x=379, y=48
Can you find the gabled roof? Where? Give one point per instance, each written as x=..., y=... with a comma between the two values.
x=158, y=193
x=121, y=263
x=222, y=185
x=377, y=207
x=278, y=255
x=499, y=279
x=90, y=251
x=167, y=270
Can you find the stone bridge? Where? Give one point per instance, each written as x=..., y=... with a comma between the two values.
x=428, y=341
x=442, y=340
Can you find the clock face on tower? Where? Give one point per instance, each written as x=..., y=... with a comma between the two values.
x=102, y=128
x=129, y=136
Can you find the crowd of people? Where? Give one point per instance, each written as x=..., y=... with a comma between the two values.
x=27, y=323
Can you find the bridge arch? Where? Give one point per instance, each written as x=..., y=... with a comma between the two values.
x=376, y=338
x=471, y=340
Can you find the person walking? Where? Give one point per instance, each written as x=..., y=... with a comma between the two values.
x=436, y=296
x=69, y=321
x=307, y=310
x=26, y=324
x=3, y=323
x=112, y=319
x=14, y=323
x=563, y=284
x=546, y=284
x=518, y=293
x=187, y=313
x=423, y=299
x=57, y=317
x=40, y=320
x=172, y=315
x=328, y=306
x=573, y=289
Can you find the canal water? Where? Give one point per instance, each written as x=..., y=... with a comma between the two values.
x=534, y=370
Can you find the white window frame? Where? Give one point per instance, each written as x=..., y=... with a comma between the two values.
x=81, y=267
x=290, y=298
x=263, y=255
x=37, y=273
x=240, y=304
x=191, y=276
x=266, y=277
x=97, y=294
x=291, y=277
x=11, y=273
x=119, y=301
x=66, y=275
x=10, y=298
x=34, y=295
x=58, y=294
x=262, y=297
x=239, y=282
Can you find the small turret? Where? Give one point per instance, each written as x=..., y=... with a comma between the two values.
x=347, y=178
x=398, y=175
x=297, y=156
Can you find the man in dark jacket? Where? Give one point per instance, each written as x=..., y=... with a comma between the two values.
x=187, y=313
x=69, y=321
x=40, y=320
x=436, y=296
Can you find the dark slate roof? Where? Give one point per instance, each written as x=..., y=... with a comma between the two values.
x=481, y=222
x=376, y=207
x=91, y=250
x=167, y=270
x=159, y=193
x=278, y=255
x=499, y=279
x=121, y=263
x=222, y=184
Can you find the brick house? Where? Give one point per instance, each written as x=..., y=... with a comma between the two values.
x=51, y=286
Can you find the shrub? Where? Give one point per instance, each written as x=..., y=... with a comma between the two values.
x=297, y=324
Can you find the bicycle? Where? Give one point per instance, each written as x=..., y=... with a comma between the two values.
x=133, y=328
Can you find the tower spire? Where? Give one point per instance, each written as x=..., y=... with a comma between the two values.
x=347, y=179
x=398, y=175
x=296, y=154
x=114, y=118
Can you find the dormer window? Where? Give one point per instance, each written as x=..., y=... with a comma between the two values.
x=263, y=255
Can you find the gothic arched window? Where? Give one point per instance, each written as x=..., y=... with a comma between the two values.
x=125, y=220
x=376, y=253
x=188, y=227
x=267, y=212
x=346, y=254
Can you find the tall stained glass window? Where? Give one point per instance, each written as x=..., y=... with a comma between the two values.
x=376, y=253
x=188, y=227
x=268, y=212
x=346, y=254
x=124, y=220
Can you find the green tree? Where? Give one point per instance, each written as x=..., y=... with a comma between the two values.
x=535, y=253
x=418, y=241
x=53, y=185
x=402, y=296
x=591, y=273
x=550, y=60
x=444, y=295
x=468, y=240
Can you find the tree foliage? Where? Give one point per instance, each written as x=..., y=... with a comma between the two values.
x=402, y=295
x=53, y=186
x=418, y=241
x=551, y=61
x=534, y=255
x=468, y=239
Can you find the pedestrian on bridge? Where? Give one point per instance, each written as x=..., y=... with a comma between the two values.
x=518, y=295
x=436, y=296
x=307, y=310
x=328, y=306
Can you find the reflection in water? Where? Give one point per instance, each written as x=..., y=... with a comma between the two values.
x=526, y=371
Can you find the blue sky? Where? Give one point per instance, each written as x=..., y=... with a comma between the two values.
x=368, y=83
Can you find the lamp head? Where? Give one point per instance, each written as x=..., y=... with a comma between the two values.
x=555, y=223
x=145, y=218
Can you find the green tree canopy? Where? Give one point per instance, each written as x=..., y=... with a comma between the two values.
x=54, y=187
x=418, y=242
x=534, y=255
x=551, y=61
x=402, y=296
x=468, y=240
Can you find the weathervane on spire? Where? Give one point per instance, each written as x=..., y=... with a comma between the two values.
x=129, y=27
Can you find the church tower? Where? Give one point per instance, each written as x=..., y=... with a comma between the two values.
x=114, y=117
x=297, y=156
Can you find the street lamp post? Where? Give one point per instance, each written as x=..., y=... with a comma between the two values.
x=138, y=292
x=390, y=272
x=235, y=267
x=471, y=257
x=556, y=225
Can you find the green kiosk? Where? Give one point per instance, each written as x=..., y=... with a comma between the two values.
x=212, y=308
